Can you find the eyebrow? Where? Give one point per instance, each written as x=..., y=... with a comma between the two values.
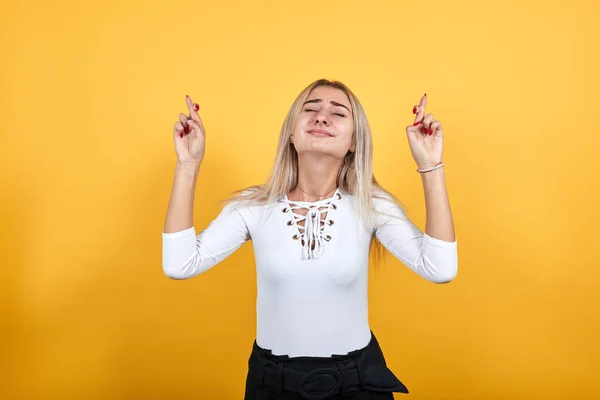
x=335, y=103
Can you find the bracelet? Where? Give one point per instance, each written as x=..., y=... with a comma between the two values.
x=438, y=165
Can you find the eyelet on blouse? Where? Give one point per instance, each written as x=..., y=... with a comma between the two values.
x=313, y=233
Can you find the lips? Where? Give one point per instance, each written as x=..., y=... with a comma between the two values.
x=320, y=133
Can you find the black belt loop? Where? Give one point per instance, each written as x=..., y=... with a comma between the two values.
x=280, y=367
x=361, y=373
x=342, y=367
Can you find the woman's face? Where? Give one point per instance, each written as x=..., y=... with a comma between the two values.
x=325, y=124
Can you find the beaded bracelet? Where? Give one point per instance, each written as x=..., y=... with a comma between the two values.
x=438, y=165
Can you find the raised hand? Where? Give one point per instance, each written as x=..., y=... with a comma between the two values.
x=425, y=137
x=189, y=136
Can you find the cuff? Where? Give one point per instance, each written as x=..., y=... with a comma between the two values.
x=431, y=241
x=184, y=233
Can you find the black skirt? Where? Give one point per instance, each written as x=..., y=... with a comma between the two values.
x=359, y=375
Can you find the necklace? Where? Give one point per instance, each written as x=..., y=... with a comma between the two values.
x=312, y=194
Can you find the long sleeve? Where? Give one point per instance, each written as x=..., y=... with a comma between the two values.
x=433, y=259
x=185, y=254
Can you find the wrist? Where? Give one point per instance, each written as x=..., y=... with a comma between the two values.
x=430, y=167
x=189, y=164
x=433, y=178
x=188, y=168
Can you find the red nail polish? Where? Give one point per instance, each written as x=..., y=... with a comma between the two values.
x=417, y=123
x=196, y=107
x=181, y=135
x=425, y=130
x=414, y=110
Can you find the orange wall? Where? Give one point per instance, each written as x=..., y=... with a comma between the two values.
x=90, y=93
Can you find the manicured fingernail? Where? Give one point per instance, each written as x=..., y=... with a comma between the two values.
x=414, y=110
x=181, y=135
x=417, y=123
x=196, y=107
x=425, y=130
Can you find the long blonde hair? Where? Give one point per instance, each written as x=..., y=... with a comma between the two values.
x=355, y=177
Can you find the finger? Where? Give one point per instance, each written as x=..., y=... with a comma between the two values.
x=184, y=121
x=193, y=108
x=436, y=128
x=420, y=109
x=427, y=121
x=178, y=129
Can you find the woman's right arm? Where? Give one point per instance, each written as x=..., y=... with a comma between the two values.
x=189, y=138
x=186, y=254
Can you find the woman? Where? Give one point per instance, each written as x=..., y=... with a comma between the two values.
x=312, y=225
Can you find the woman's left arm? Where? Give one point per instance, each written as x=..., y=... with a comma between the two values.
x=426, y=141
x=433, y=255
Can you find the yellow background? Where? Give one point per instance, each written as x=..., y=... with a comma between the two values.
x=90, y=93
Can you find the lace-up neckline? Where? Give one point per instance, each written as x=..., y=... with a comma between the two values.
x=313, y=233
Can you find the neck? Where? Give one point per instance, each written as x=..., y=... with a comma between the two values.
x=317, y=178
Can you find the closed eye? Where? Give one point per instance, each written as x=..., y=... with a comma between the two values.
x=339, y=114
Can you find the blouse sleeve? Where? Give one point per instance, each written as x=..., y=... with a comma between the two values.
x=433, y=259
x=185, y=254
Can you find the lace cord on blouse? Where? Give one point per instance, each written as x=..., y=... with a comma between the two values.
x=312, y=233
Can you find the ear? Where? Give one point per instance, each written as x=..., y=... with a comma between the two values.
x=352, y=147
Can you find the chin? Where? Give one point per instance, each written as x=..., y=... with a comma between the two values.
x=322, y=151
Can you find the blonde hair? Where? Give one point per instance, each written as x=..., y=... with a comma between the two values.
x=355, y=177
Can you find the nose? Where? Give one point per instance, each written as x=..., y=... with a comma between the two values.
x=321, y=118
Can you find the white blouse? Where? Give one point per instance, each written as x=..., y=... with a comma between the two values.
x=312, y=278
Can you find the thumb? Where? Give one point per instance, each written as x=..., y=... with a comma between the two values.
x=414, y=128
x=196, y=127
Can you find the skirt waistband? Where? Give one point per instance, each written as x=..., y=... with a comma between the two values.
x=317, y=378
